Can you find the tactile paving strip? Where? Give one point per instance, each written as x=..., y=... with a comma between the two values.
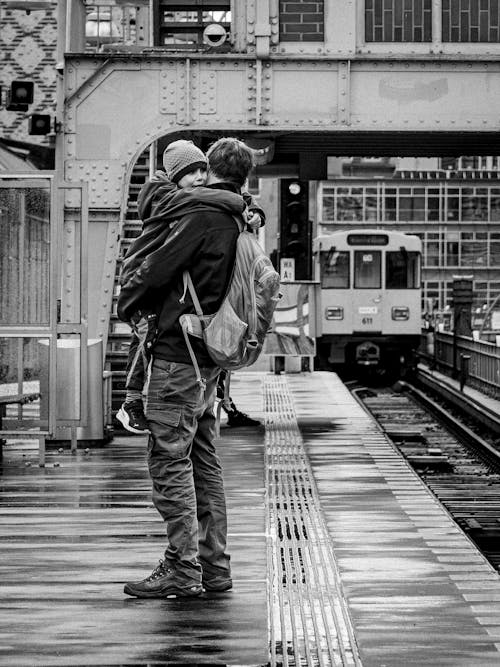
x=310, y=623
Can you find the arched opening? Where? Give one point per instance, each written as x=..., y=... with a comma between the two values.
x=418, y=182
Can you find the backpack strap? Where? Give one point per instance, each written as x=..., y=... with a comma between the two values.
x=191, y=324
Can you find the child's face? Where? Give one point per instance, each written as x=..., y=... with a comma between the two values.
x=193, y=179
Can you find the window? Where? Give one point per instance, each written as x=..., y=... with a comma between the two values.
x=433, y=198
x=398, y=20
x=470, y=21
x=411, y=21
x=334, y=269
x=495, y=204
x=432, y=245
x=474, y=249
x=474, y=204
x=350, y=204
x=109, y=24
x=411, y=204
x=391, y=204
x=180, y=25
x=401, y=269
x=367, y=265
x=452, y=204
x=495, y=249
x=328, y=202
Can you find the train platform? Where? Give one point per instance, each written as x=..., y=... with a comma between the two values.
x=340, y=554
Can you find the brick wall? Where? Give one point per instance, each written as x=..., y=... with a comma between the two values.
x=302, y=21
x=27, y=53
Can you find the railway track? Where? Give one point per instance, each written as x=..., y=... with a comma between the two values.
x=460, y=468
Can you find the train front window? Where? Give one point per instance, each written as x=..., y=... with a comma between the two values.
x=367, y=265
x=401, y=270
x=334, y=269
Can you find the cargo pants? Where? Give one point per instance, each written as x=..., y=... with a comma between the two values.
x=188, y=489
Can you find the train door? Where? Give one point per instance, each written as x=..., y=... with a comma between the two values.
x=367, y=290
x=43, y=307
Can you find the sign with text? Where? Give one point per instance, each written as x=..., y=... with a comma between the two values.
x=287, y=269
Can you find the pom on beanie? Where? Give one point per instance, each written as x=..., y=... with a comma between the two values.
x=182, y=156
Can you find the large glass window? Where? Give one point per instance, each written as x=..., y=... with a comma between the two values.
x=398, y=20
x=24, y=252
x=367, y=265
x=334, y=269
x=401, y=269
x=406, y=203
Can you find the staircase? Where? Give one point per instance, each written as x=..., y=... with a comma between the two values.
x=119, y=332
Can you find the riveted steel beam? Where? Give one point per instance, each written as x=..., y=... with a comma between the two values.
x=117, y=105
x=344, y=95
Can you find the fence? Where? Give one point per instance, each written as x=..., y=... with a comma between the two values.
x=461, y=357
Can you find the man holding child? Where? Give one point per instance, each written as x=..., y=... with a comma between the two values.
x=188, y=489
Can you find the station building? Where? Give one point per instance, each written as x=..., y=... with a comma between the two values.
x=305, y=83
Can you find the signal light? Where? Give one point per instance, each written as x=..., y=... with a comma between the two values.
x=39, y=124
x=22, y=92
x=20, y=95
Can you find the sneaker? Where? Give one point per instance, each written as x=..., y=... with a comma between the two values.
x=215, y=578
x=237, y=418
x=132, y=416
x=163, y=582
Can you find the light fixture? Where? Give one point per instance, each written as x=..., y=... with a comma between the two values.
x=214, y=34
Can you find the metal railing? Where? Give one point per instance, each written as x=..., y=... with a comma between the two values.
x=476, y=363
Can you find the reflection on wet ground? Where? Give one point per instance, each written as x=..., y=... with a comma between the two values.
x=74, y=531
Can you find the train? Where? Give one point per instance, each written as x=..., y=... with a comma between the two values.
x=369, y=312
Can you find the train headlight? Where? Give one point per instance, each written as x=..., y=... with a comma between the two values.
x=334, y=313
x=400, y=313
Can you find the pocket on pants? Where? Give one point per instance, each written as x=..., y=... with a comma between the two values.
x=172, y=428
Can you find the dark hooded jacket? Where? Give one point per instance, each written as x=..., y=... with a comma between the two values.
x=161, y=204
x=202, y=242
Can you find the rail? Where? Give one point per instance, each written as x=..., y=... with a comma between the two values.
x=476, y=363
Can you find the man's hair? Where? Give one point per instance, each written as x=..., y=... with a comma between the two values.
x=231, y=160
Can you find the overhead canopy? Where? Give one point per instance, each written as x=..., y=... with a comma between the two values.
x=21, y=156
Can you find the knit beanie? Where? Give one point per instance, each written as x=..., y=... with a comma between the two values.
x=180, y=157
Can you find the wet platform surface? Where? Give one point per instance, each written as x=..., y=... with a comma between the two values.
x=72, y=534
x=331, y=533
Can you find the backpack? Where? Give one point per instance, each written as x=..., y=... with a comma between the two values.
x=235, y=334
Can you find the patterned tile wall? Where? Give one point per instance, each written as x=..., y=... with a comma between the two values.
x=27, y=52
